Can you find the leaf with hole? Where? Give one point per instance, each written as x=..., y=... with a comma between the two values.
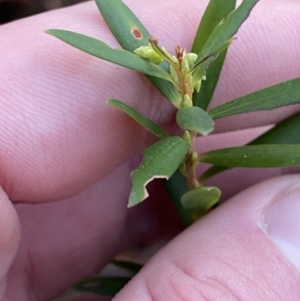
x=144, y=121
x=200, y=200
x=160, y=160
x=283, y=94
x=124, y=24
x=195, y=119
x=131, y=34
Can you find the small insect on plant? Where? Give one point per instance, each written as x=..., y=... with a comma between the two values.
x=187, y=79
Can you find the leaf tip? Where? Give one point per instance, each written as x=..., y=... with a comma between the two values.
x=134, y=199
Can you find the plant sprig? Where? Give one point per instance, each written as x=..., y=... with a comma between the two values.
x=185, y=78
x=188, y=79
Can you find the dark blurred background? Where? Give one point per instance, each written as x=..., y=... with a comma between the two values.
x=11, y=10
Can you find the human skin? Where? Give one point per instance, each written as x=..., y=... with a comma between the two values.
x=66, y=158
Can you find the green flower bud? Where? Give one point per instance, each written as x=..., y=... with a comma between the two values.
x=171, y=58
x=187, y=102
x=147, y=52
x=198, y=85
x=182, y=168
x=187, y=136
x=185, y=68
x=189, y=78
x=191, y=58
x=195, y=158
x=174, y=75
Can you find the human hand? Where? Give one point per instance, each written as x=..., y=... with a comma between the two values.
x=68, y=153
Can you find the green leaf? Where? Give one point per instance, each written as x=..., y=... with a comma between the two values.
x=144, y=121
x=128, y=265
x=203, y=97
x=200, y=68
x=285, y=132
x=223, y=32
x=105, y=286
x=161, y=160
x=200, y=200
x=195, y=119
x=123, y=23
x=103, y=51
x=126, y=28
x=166, y=88
x=215, y=12
x=283, y=94
x=267, y=155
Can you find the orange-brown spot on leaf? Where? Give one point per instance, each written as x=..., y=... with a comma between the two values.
x=137, y=33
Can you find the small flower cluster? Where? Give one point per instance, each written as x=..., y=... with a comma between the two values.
x=181, y=68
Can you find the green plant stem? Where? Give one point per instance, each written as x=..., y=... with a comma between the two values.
x=190, y=165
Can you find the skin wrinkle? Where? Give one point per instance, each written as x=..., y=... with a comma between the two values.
x=228, y=294
x=222, y=285
x=248, y=282
x=173, y=285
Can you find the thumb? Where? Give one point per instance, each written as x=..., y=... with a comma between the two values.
x=247, y=249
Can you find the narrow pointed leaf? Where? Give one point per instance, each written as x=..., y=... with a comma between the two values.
x=285, y=132
x=124, y=24
x=161, y=160
x=267, y=155
x=128, y=265
x=103, y=51
x=215, y=12
x=200, y=68
x=203, y=97
x=225, y=30
x=200, y=200
x=143, y=120
x=104, y=286
x=131, y=34
x=195, y=119
x=283, y=94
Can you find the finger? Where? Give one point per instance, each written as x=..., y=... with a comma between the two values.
x=69, y=240
x=59, y=136
x=9, y=239
x=247, y=249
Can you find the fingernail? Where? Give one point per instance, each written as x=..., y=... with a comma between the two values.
x=283, y=224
